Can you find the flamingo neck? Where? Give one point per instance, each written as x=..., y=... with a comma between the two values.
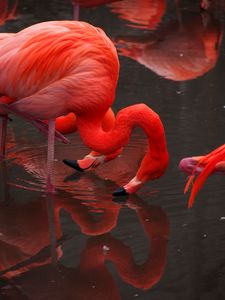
x=108, y=142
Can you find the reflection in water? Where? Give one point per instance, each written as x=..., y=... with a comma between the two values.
x=183, y=50
x=25, y=253
x=92, y=3
x=145, y=14
x=7, y=10
x=24, y=233
x=87, y=4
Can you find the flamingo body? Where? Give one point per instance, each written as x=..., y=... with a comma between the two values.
x=56, y=68
x=50, y=68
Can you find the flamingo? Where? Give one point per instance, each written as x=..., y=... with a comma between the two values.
x=54, y=68
x=141, y=14
x=203, y=166
x=32, y=161
x=183, y=50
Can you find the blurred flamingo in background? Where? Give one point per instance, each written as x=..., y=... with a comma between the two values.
x=203, y=166
x=210, y=4
x=7, y=13
x=145, y=14
x=183, y=50
x=71, y=66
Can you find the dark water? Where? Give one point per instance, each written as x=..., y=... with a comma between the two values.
x=79, y=243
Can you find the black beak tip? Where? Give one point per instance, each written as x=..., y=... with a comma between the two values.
x=120, y=192
x=73, y=164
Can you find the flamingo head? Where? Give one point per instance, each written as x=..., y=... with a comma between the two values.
x=189, y=166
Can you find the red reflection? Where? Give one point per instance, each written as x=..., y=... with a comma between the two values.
x=203, y=166
x=145, y=14
x=91, y=278
x=7, y=11
x=181, y=51
x=24, y=233
x=211, y=4
x=92, y=3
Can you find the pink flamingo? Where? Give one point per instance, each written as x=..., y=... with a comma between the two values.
x=203, y=166
x=54, y=68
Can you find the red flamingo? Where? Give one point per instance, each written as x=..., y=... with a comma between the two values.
x=182, y=50
x=203, y=166
x=71, y=66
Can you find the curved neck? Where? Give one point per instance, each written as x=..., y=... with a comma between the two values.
x=156, y=226
x=155, y=160
x=136, y=115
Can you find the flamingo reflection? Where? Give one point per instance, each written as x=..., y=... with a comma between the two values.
x=7, y=12
x=92, y=3
x=144, y=14
x=182, y=50
x=87, y=4
x=211, y=4
x=91, y=278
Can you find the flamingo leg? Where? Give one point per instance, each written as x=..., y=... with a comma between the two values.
x=3, y=129
x=50, y=158
x=52, y=230
x=76, y=11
